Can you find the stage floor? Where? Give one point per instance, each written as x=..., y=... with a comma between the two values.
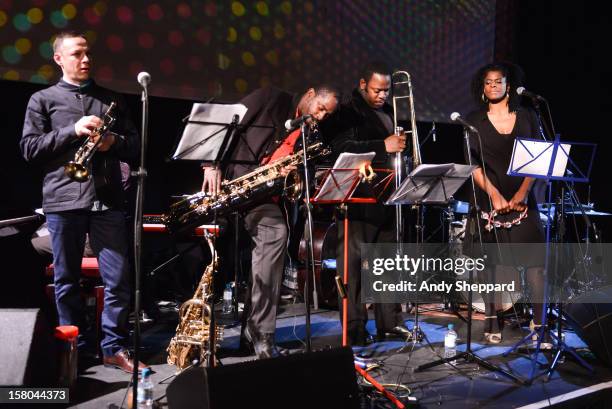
x=442, y=386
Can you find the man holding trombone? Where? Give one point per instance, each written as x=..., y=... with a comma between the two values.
x=69, y=117
x=365, y=124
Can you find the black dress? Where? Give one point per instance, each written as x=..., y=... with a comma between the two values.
x=496, y=154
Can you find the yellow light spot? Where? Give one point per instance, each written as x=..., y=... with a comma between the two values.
x=3, y=18
x=272, y=57
x=264, y=82
x=91, y=36
x=232, y=35
x=241, y=85
x=286, y=7
x=35, y=15
x=279, y=31
x=46, y=71
x=100, y=8
x=23, y=46
x=255, y=33
x=308, y=7
x=11, y=75
x=238, y=9
x=248, y=58
x=224, y=61
x=262, y=8
x=69, y=11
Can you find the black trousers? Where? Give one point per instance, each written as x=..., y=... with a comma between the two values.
x=386, y=315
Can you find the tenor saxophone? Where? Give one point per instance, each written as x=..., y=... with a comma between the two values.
x=192, y=340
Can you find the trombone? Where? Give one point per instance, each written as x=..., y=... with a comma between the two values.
x=402, y=90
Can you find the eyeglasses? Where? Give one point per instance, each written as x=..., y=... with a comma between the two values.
x=497, y=81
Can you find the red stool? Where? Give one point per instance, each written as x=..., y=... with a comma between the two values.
x=91, y=288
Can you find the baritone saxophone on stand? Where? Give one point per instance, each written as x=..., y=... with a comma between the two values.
x=192, y=340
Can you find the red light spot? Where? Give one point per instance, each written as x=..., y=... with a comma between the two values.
x=6, y=4
x=183, y=10
x=155, y=12
x=135, y=68
x=195, y=63
x=124, y=14
x=210, y=9
x=167, y=66
x=175, y=38
x=203, y=36
x=114, y=43
x=90, y=16
x=146, y=40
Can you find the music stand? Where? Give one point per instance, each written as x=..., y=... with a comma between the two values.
x=548, y=160
x=429, y=184
x=435, y=184
x=339, y=185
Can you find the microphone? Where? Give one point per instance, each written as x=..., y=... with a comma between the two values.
x=523, y=92
x=144, y=79
x=291, y=124
x=456, y=116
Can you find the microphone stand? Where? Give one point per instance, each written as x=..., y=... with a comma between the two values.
x=140, y=174
x=468, y=355
x=309, y=244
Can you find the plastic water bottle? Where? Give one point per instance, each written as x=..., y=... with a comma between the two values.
x=145, y=390
x=450, y=343
x=228, y=306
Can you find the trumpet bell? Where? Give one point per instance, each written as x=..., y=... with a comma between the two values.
x=76, y=171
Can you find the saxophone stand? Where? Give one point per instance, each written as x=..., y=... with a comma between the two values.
x=468, y=355
x=548, y=160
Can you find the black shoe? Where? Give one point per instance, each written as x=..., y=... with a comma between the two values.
x=263, y=344
x=265, y=347
x=399, y=331
x=361, y=340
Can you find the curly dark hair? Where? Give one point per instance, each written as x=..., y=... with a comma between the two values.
x=514, y=78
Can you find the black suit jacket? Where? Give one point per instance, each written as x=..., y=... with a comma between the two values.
x=356, y=128
x=262, y=129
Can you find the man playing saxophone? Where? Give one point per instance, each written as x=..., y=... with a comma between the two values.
x=58, y=121
x=264, y=140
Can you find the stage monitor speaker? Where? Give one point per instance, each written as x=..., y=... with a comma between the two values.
x=27, y=354
x=590, y=315
x=324, y=379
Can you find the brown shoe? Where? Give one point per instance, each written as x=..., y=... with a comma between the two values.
x=122, y=360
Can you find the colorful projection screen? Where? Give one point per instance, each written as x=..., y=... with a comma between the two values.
x=200, y=49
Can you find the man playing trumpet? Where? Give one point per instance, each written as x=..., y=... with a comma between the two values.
x=58, y=120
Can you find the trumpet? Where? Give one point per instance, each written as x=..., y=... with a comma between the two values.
x=402, y=90
x=78, y=169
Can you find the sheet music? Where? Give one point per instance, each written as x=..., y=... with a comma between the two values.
x=203, y=141
x=534, y=157
x=336, y=187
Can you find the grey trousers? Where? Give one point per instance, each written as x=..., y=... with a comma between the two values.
x=266, y=226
